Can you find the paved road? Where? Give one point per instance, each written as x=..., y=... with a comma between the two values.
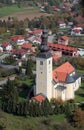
x=9, y=66
x=3, y=56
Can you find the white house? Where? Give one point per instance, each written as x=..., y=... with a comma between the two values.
x=6, y=46
x=61, y=24
x=19, y=39
x=1, y=49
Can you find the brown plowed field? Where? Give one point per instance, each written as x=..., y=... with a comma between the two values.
x=30, y=15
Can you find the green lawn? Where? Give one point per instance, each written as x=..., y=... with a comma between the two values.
x=34, y=123
x=7, y=10
x=79, y=95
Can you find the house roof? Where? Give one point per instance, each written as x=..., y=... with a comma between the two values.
x=5, y=44
x=37, y=31
x=64, y=38
x=37, y=39
x=60, y=73
x=61, y=22
x=17, y=52
x=76, y=30
x=40, y=97
x=61, y=47
x=26, y=46
x=15, y=38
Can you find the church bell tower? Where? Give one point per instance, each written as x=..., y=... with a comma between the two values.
x=44, y=68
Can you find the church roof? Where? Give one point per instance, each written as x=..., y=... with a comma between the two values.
x=60, y=74
x=40, y=97
x=44, y=49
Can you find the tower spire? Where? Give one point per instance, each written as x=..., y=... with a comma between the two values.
x=43, y=47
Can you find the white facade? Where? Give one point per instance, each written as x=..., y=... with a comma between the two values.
x=44, y=76
x=20, y=42
x=9, y=48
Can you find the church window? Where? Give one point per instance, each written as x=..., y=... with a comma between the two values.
x=41, y=62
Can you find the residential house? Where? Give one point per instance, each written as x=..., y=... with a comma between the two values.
x=21, y=53
x=56, y=56
x=6, y=46
x=63, y=40
x=34, y=40
x=19, y=39
x=1, y=49
x=76, y=31
x=37, y=32
x=26, y=46
x=55, y=8
x=66, y=50
x=61, y=24
x=81, y=52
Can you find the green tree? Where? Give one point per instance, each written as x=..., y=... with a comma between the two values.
x=9, y=97
x=46, y=107
x=29, y=66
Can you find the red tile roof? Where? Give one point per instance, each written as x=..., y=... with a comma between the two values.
x=15, y=38
x=64, y=38
x=60, y=47
x=76, y=30
x=5, y=44
x=26, y=46
x=17, y=52
x=60, y=73
x=37, y=31
x=39, y=98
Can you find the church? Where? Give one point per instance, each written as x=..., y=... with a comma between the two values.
x=60, y=83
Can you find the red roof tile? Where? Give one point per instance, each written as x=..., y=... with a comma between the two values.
x=64, y=38
x=59, y=46
x=60, y=73
x=5, y=44
x=39, y=98
x=18, y=37
x=37, y=31
x=26, y=46
x=76, y=30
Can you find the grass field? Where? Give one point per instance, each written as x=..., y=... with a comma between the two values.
x=20, y=13
x=79, y=94
x=8, y=10
x=34, y=123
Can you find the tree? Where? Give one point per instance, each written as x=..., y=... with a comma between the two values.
x=46, y=107
x=29, y=66
x=78, y=118
x=9, y=97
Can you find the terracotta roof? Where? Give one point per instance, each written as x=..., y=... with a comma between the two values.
x=64, y=38
x=37, y=31
x=60, y=47
x=61, y=22
x=5, y=44
x=18, y=37
x=26, y=46
x=17, y=52
x=80, y=25
x=76, y=30
x=39, y=97
x=60, y=73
